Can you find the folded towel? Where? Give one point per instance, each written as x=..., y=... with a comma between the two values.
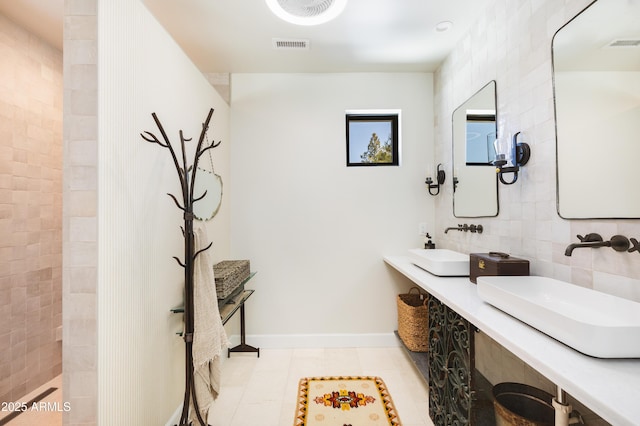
x=209, y=336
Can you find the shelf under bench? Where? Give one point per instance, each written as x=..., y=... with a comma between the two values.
x=609, y=387
x=227, y=311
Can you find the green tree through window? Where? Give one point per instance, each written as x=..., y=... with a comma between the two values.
x=378, y=152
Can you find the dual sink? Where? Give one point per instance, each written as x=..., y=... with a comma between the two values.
x=589, y=321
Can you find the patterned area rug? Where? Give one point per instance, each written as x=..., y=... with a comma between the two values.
x=344, y=401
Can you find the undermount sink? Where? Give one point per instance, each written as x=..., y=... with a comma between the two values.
x=441, y=262
x=594, y=323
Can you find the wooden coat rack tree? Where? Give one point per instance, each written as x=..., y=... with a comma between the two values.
x=187, y=176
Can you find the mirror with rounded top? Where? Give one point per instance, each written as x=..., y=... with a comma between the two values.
x=475, y=184
x=596, y=79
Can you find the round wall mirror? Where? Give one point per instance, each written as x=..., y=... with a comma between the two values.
x=207, y=207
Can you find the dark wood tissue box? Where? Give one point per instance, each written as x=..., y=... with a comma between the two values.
x=494, y=264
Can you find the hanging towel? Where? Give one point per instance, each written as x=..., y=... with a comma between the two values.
x=209, y=337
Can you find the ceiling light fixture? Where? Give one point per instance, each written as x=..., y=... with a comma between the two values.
x=306, y=12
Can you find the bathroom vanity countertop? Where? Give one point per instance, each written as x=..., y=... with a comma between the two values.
x=609, y=387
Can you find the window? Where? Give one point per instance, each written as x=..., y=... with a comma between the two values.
x=372, y=139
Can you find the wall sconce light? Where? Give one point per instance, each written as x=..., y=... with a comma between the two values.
x=440, y=176
x=510, y=156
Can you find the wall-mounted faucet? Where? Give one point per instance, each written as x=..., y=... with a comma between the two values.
x=617, y=242
x=476, y=228
x=453, y=228
x=466, y=228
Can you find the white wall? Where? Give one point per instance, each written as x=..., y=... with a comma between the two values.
x=314, y=229
x=137, y=378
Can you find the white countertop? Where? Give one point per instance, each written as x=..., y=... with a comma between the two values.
x=609, y=387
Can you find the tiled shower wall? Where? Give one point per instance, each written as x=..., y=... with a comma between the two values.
x=30, y=211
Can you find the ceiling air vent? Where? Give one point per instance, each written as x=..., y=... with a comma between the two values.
x=625, y=43
x=290, y=44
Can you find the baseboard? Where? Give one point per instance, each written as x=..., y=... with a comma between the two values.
x=286, y=341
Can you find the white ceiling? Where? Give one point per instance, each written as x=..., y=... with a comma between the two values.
x=227, y=36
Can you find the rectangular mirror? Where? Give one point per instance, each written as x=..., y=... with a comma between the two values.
x=475, y=184
x=596, y=77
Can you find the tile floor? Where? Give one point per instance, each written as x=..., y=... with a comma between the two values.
x=262, y=391
x=50, y=415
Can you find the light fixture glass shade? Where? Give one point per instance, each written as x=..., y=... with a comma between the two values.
x=504, y=149
x=510, y=156
x=306, y=12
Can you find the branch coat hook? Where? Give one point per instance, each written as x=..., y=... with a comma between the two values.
x=187, y=177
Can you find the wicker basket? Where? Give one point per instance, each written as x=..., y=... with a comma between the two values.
x=229, y=274
x=413, y=319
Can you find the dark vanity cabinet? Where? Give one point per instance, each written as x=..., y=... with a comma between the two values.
x=451, y=361
x=458, y=394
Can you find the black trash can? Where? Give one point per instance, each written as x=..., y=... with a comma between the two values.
x=516, y=404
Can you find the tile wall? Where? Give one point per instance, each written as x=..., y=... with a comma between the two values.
x=80, y=212
x=511, y=43
x=30, y=211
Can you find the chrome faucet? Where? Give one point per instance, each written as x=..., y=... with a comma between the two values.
x=617, y=242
